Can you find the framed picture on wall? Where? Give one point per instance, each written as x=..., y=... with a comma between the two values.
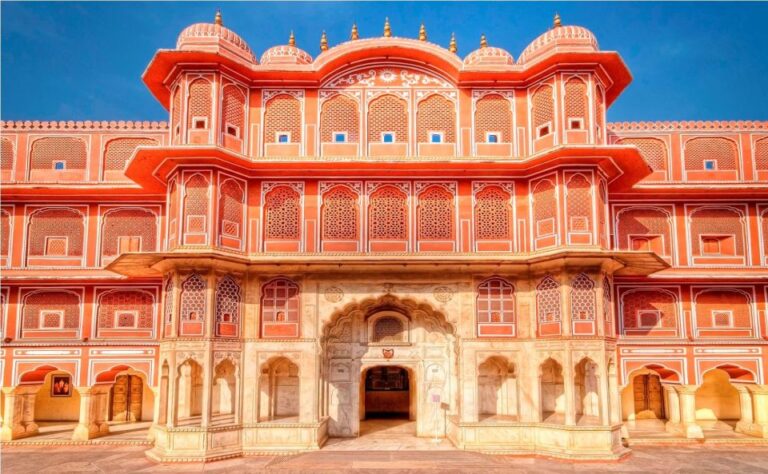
x=61, y=386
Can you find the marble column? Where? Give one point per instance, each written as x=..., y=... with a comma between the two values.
x=688, y=426
x=19, y=412
x=92, y=422
x=759, y=397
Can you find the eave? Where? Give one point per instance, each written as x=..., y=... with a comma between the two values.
x=623, y=263
x=622, y=164
x=735, y=190
x=84, y=190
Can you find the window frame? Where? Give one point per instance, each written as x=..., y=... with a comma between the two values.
x=198, y=119
x=547, y=126
x=48, y=238
x=56, y=164
x=285, y=134
x=227, y=126
x=335, y=135
x=384, y=134
x=728, y=312
x=492, y=134
x=41, y=319
x=575, y=120
x=435, y=133
x=706, y=163
x=655, y=312
x=116, y=318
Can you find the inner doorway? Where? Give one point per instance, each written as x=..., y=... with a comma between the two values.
x=387, y=394
x=127, y=395
x=649, y=398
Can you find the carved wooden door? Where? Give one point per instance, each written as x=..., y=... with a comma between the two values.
x=649, y=401
x=126, y=398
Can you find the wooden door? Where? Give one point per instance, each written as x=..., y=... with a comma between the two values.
x=649, y=399
x=126, y=398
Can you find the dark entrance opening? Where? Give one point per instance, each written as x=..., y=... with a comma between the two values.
x=387, y=393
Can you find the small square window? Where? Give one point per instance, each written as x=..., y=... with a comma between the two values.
x=283, y=138
x=542, y=131
x=226, y=318
x=722, y=319
x=340, y=137
x=55, y=246
x=125, y=319
x=435, y=137
x=233, y=131
x=388, y=137
x=649, y=318
x=59, y=165
x=178, y=129
x=575, y=124
x=199, y=123
x=129, y=243
x=51, y=319
x=492, y=137
x=710, y=165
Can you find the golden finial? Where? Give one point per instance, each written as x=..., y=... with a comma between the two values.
x=557, y=21
x=292, y=39
x=354, y=34
x=452, y=47
x=483, y=41
x=422, y=33
x=387, y=29
x=217, y=19
x=324, y=42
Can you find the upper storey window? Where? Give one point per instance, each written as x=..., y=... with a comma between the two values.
x=339, y=123
x=340, y=137
x=576, y=103
x=199, y=107
x=283, y=122
x=711, y=158
x=543, y=111
x=495, y=308
x=388, y=137
x=233, y=116
x=280, y=309
x=492, y=137
x=59, y=165
x=55, y=232
x=436, y=137
x=710, y=165
x=283, y=137
x=58, y=158
x=118, y=152
x=653, y=151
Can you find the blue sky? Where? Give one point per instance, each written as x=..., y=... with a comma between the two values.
x=83, y=61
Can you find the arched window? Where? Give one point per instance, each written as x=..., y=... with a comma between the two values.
x=168, y=304
x=128, y=230
x=44, y=311
x=282, y=119
x=761, y=154
x=196, y=197
x=5, y=233
x=125, y=313
x=193, y=305
x=118, y=152
x=579, y=200
x=340, y=217
x=545, y=213
x=388, y=329
x=649, y=312
x=280, y=308
x=436, y=115
x=176, y=114
x=583, y=304
x=711, y=154
x=388, y=214
x=435, y=214
x=173, y=214
x=231, y=201
x=56, y=232
x=282, y=214
x=493, y=214
x=717, y=233
x=199, y=105
x=58, y=158
x=493, y=117
x=233, y=112
x=495, y=308
x=542, y=113
x=653, y=151
x=340, y=115
x=576, y=104
x=548, y=306
x=387, y=114
x=228, y=299
x=7, y=154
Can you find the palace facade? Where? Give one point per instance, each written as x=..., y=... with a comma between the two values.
x=385, y=229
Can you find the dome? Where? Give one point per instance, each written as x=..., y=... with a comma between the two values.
x=215, y=38
x=285, y=54
x=489, y=56
x=562, y=38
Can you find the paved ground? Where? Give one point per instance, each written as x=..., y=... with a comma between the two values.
x=116, y=459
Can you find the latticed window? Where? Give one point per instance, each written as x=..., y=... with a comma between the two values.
x=173, y=213
x=63, y=225
x=176, y=114
x=607, y=299
x=653, y=151
x=5, y=232
x=723, y=307
x=114, y=304
x=543, y=111
x=6, y=154
x=435, y=214
x=639, y=305
x=544, y=208
x=341, y=114
x=193, y=297
x=492, y=214
x=761, y=154
x=576, y=103
x=387, y=113
x=548, y=300
x=602, y=213
x=231, y=200
x=282, y=214
x=583, y=298
x=282, y=115
x=723, y=224
x=599, y=114
x=720, y=150
x=340, y=214
x=495, y=301
x=119, y=150
x=388, y=214
x=168, y=304
x=649, y=222
x=233, y=111
x=493, y=114
x=228, y=300
x=196, y=204
x=579, y=204
x=436, y=114
x=48, y=151
x=63, y=302
x=200, y=104
x=280, y=301
x=388, y=329
x=120, y=224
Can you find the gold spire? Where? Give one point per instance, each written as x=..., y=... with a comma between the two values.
x=217, y=18
x=387, y=29
x=292, y=39
x=452, y=47
x=557, y=21
x=422, y=33
x=354, y=35
x=483, y=41
x=324, y=42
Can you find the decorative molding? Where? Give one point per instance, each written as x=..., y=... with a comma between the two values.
x=724, y=125
x=86, y=125
x=333, y=294
x=443, y=294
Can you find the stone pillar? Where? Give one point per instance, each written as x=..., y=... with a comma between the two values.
x=615, y=395
x=157, y=397
x=605, y=401
x=688, y=425
x=208, y=361
x=569, y=386
x=92, y=423
x=758, y=409
x=19, y=412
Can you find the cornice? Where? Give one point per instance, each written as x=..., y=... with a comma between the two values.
x=85, y=126
x=685, y=125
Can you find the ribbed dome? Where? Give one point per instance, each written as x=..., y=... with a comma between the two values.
x=562, y=38
x=285, y=54
x=489, y=56
x=214, y=38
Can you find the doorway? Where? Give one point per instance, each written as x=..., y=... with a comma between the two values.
x=127, y=395
x=387, y=394
x=649, y=398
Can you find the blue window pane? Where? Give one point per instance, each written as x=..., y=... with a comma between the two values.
x=339, y=138
x=709, y=165
x=493, y=138
x=388, y=138
x=282, y=138
x=59, y=165
x=435, y=138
